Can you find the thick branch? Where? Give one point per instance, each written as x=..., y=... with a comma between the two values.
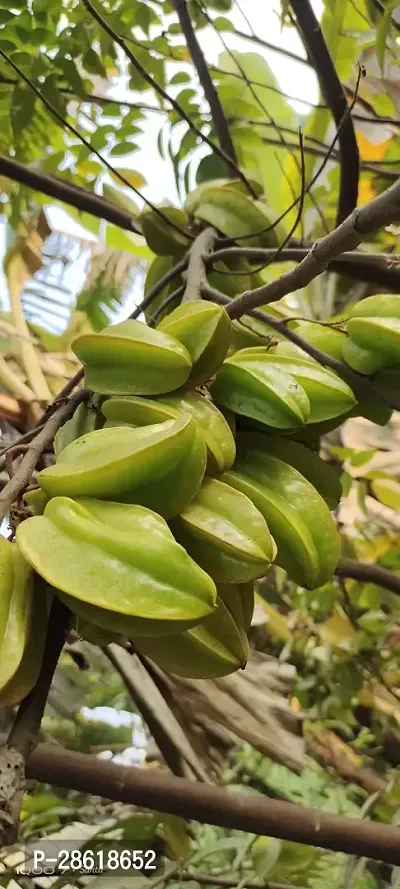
x=71, y=194
x=213, y=805
x=196, y=276
x=369, y=573
x=163, y=93
x=217, y=111
x=381, y=211
x=334, y=96
x=164, y=728
x=22, y=477
x=381, y=269
x=227, y=882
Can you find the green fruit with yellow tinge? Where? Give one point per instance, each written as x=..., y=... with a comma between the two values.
x=235, y=215
x=239, y=598
x=204, y=329
x=329, y=396
x=298, y=517
x=16, y=609
x=374, y=325
x=320, y=474
x=162, y=238
x=27, y=674
x=159, y=466
x=252, y=387
x=224, y=532
x=121, y=559
x=83, y=421
x=216, y=647
x=136, y=411
x=132, y=359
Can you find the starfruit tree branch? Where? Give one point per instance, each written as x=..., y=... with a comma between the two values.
x=70, y=194
x=214, y=805
x=14, y=488
x=382, y=269
x=163, y=93
x=381, y=211
x=369, y=573
x=210, y=92
x=196, y=275
x=334, y=96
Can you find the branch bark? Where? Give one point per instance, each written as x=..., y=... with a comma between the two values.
x=335, y=98
x=374, y=268
x=217, y=111
x=196, y=276
x=213, y=805
x=369, y=573
x=381, y=211
x=70, y=194
x=163, y=726
x=22, y=477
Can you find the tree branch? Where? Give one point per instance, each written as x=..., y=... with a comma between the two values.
x=213, y=805
x=228, y=882
x=381, y=269
x=162, y=92
x=164, y=728
x=217, y=111
x=71, y=194
x=279, y=49
x=334, y=96
x=381, y=211
x=369, y=573
x=196, y=276
x=22, y=477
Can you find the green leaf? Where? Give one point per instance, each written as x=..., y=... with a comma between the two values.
x=131, y=243
x=93, y=63
x=180, y=77
x=132, y=176
x=123, y=148
x=383, y=31
x=219, y=5
x=211, y=167
x=221, y=23
x=387, y=491
x=265, y=852
x=362, y=457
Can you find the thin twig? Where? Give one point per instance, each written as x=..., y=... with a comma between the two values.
x=162, y=92
x=196, y=276
x=159, y=286
x=381, y=211
x=22, y=477
x=318, y=52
